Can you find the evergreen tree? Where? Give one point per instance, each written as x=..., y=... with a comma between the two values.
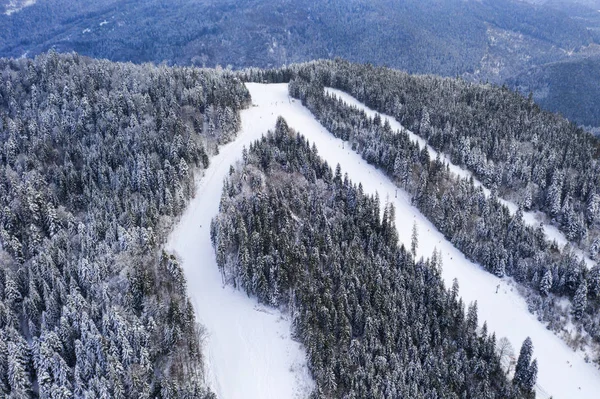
x=580, y=300
x=546, y=282
x=526, y=370
x=414, y=240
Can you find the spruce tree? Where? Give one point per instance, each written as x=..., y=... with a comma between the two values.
x=580, y=300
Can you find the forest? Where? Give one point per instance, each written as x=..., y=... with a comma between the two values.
x=96, y=164
x=481, y=228
x=376, y=322
x=527, y=155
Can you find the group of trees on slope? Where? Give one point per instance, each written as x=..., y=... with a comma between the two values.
x=481, y=227
x=532, y=157
x=96, y=162
x=375, y=321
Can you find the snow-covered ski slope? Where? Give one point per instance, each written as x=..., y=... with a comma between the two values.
x=249, y=350
x=531, y=218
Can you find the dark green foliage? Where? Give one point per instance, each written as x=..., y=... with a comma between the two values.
x=375, y=322
x=96, y=160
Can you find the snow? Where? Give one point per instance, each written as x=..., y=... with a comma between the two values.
x=563, y=373
x=249, y=350
x=530, y=218
x=14, y=6
x=103, y=23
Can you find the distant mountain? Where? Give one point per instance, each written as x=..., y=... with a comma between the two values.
x=480, y=40
x=570, y=87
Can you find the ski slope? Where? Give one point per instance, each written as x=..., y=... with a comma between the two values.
x=562, y=372
x=531, y=218
x=249, y=350
x=249, y=353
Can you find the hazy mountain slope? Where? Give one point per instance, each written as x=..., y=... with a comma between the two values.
x=569, y=87
x=480, y=40
x=445, y=37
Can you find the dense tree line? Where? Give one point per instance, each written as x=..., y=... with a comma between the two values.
x=529, y=156
x=482, y=228
x=375, y=321
x=96, y=161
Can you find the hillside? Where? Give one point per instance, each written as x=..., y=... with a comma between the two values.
x=480, y=40
x=111, y=172
x=96, y=164
x=293, y=232
x=568, y=87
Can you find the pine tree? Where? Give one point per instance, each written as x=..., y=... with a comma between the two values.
x=472, y=317
x=414, y=240
x=525, y=371
x=594, y=281
x=554, y=195
x=546, y=282
x=530, y=382
x=593, y=209
x=580, y=300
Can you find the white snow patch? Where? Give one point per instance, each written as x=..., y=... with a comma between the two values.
x=14, y=6
x=562, y=372
x=86, y=30
x=531, y=218
x=103, y=23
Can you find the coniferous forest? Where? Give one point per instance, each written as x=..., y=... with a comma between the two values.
x=527, y=155
x=375, y=321
x=96, y=162
x=481, y=228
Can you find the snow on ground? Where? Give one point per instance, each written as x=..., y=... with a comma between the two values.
x=531, y=218
x=248, y=351
x=561, y=371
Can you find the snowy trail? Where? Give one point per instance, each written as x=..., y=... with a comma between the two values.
x=248, y=352
x=246, y=355
x=531, y=218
